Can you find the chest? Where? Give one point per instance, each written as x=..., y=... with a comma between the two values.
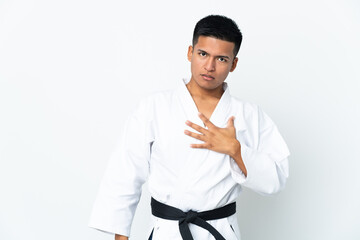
x=206, y=107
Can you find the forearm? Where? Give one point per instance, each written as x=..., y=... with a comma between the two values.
x=265, y=175
x=236, y=155
x=120, y=237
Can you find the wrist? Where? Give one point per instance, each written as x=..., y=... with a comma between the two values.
x=236, y=155
x=235, y=149
x=120, y=237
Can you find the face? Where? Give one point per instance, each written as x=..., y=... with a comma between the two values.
x=211, y=61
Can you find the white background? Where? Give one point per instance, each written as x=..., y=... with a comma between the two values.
x=70, y=72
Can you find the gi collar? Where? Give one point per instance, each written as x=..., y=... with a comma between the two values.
x=221, y=113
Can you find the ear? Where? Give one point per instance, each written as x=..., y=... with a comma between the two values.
x=190, y=53
x=234, y=63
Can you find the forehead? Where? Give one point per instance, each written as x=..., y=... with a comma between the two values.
x=215, y=46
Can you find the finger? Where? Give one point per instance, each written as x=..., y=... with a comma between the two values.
x=231, y=121
x=194, y=135
x=198, y=145
x=206, y=121
x=196, y=127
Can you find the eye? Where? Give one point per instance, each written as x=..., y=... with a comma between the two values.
x=221, y=59
x=203, y=54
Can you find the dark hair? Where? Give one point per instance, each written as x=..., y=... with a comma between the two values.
x=219, y=27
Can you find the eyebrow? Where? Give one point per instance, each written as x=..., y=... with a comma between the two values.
x=222, y=56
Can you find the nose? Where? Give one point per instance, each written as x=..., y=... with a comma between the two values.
x=210, y=65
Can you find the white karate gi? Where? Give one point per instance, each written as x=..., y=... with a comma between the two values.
x=155, y=148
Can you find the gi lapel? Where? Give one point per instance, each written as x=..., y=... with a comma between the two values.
x=221, y=112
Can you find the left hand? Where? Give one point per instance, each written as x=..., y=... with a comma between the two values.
x=222, y=140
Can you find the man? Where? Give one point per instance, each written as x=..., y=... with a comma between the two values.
x=195, y=163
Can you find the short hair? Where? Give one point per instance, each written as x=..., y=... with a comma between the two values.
x=219, y=27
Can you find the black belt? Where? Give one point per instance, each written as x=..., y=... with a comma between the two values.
x=164, y=211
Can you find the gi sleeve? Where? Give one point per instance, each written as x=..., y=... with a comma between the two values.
x=266, y=161
x=126, y=172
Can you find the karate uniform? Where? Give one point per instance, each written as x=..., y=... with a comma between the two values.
x=154, y=148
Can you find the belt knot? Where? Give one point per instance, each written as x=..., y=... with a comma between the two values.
x=190, y=216
x=200, y=219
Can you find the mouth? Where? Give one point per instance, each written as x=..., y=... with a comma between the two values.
x=207, y=77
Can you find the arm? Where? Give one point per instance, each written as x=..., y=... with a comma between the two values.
x=126, y=172
x=262, y=167
x=259, y=161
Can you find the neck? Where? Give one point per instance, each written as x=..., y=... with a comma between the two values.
x=202, y=93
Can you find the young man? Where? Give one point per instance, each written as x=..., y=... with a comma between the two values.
x=195, y=164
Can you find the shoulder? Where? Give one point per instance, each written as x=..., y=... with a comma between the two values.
x=247, y=108
x=147, y=104
x=252, y=112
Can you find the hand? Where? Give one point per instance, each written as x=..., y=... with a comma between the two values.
x=222, y=140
